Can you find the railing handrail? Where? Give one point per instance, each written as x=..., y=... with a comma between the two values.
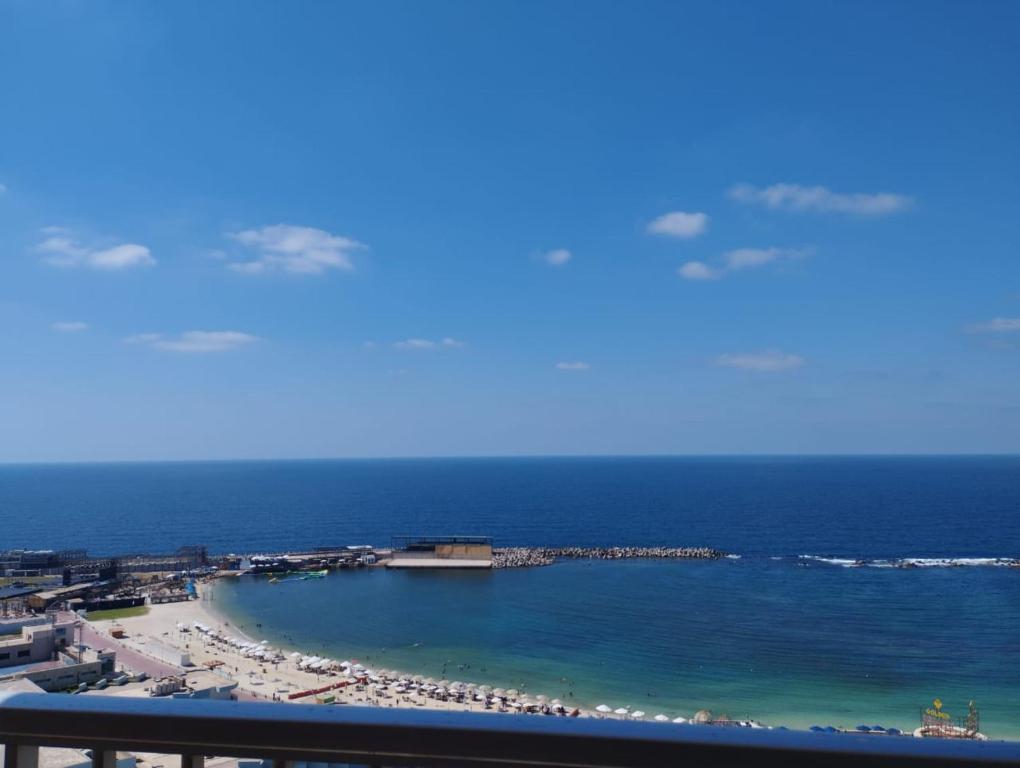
x=383, y=736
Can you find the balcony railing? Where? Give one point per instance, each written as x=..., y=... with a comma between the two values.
x=285, y=734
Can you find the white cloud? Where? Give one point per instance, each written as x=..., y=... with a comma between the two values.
x=769, y=360
x=794, y=197
x=70, y=326
x=415, y=344
x=303, y=250
x=447, y=342
x=577, y=365
x=698, y=270
x=558, y=257
x=195, y=341
x=998, y=325
x=679, y=224
x=62, y=250
x=737, y=260
x=748, y=258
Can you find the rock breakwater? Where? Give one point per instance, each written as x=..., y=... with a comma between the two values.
x=526, y=557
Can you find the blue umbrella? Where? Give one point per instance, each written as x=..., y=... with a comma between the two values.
x=878, y=728
x=830, y=729
x=894, y=732
x=863, y=729
x=817, y=729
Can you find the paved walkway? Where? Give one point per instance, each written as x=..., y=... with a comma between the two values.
x=127, y=657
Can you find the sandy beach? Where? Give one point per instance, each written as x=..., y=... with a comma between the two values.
x=173, y=625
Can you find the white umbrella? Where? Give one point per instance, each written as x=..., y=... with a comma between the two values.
x=661, y=719
x=603, y=709
x=621, y=711
x=679, y=719
x=637, y=715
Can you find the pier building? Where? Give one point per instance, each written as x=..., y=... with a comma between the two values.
x=441, y=552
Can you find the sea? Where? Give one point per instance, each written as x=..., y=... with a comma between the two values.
x=810, y=619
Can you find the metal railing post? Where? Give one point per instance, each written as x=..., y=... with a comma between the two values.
x=21, y=756
x=104, y=758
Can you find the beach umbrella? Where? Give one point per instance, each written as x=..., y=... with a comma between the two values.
x=702, y=716
x=637, y=715
x=863, y=729
x=621, y=711
x=830, y=729
x=512, y=692
x=603, y=709
x=499, y=693
x=894, y=732
x=679, y=719
x=661, y=719
x=817, y=729
x=878, y=728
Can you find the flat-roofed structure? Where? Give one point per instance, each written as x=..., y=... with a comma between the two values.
x=36, y=641
x=441, y=552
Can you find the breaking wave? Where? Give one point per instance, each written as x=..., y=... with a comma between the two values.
x=916, y=562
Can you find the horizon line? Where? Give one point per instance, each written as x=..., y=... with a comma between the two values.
x=509, y=456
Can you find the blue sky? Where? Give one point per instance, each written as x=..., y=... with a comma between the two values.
x=259, y=229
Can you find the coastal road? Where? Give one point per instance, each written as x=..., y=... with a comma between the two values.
x=127, y=657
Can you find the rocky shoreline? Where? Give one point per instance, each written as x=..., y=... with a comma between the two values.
x=527, y=557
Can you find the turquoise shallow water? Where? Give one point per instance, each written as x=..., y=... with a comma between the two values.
x=784, y=641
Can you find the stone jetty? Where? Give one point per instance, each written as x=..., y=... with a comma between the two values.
x=526, y=557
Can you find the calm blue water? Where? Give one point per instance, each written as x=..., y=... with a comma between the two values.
x=786, y=640
x=854, y=507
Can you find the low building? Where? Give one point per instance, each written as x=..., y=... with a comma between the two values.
x=40, y=601
x=204, y=684
x=37, y=642
x=64, y=672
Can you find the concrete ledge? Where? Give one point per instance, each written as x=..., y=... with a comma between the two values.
x=436, y=562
